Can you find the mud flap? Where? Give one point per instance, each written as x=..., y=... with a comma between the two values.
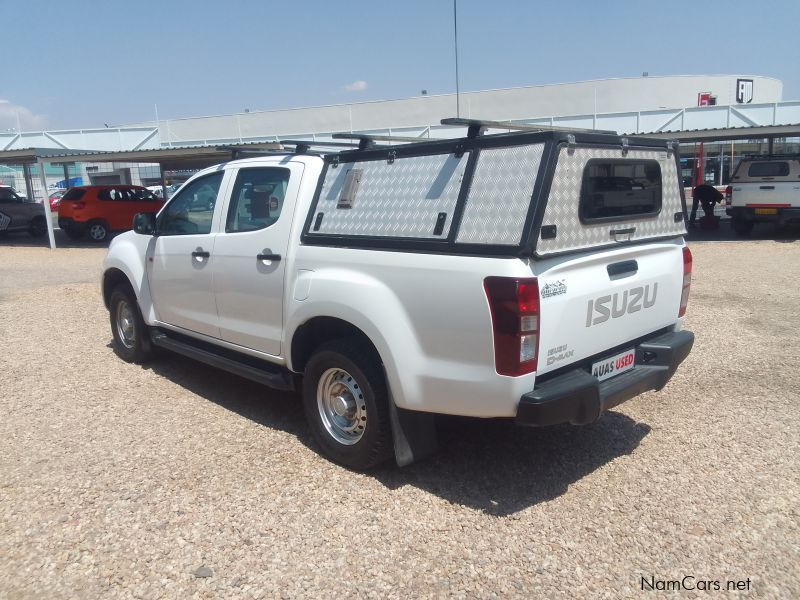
x=414, y=434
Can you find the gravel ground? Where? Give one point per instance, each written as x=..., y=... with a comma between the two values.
x=177, y=480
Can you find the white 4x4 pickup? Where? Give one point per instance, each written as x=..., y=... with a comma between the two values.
x=764, y=189
x=536, y=276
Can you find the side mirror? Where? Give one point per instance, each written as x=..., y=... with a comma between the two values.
x=144, y=223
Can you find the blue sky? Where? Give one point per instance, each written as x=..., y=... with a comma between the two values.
x=82, y=64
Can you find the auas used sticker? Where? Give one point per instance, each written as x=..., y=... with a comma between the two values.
x=554, y=288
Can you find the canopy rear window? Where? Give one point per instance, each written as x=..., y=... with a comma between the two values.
x=768, y=169
x=620, y=189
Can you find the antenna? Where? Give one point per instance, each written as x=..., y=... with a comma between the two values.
x=455, y=44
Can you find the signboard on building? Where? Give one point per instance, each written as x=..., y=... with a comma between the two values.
x=744, y=91
x=706, y=99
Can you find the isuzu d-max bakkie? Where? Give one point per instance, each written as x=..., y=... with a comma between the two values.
x=538, y=276
x=764, y=189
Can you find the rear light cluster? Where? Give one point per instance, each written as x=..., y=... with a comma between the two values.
x=728, y=195
x=687, y=280
x=514, y=304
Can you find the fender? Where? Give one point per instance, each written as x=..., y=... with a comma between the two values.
x=128, y=253
x=365, y=302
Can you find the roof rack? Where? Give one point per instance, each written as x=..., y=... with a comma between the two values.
x=303, y=146
x=253, y=149
x=476, y=127
x=794, y=155
x=366, y=141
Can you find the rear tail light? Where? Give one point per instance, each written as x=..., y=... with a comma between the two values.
x=687, y=280
x=514, y=304
x=78, y=205
x=728, y=195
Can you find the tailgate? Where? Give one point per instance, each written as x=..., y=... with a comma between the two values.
x=776, y=194
x=591, y=303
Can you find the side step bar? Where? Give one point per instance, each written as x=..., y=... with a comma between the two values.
x=272, y=377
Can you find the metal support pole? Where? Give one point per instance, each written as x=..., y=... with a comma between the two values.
x=163, y=183
x=65, y=166
x=702, y=167
x=46, y=204
x=770, y=145
x=26, y=172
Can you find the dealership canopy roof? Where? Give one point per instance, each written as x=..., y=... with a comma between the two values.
x=170, y=159
x=729, y=133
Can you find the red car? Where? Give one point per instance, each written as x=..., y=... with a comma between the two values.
x=97, y=210
x=55, y=199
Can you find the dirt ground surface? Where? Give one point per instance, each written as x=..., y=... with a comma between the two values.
x=176, y=480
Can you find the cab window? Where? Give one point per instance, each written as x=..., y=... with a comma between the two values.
x=8, y=196
x=191, y=211
x=257, y=198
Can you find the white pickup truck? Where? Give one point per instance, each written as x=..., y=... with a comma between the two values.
x=541, y=277
x=764, y=189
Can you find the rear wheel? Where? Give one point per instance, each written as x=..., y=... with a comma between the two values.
x=97, y=230
x=347, y=404
x=38, y=227
x=742, y=226
x=131, y=339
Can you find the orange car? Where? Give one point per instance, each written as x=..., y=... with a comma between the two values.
x=97, y=210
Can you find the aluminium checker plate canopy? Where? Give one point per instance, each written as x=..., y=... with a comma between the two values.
x=485, y=195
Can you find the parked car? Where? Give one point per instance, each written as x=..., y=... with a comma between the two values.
x=764, y=189
x=18, y=214
x=97, y=210
x=492, y=276
x=55, y=199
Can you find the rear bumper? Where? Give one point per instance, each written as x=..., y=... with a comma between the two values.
x=747, y=213
x=67, y=223
x=579, y=398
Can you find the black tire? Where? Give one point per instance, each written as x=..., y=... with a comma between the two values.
x=742, y=226
x=73, y=233
x=131, y=337
x=361, y=363
x=38, y=227
x=97, y=230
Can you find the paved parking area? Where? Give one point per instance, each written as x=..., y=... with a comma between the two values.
x=177, y=480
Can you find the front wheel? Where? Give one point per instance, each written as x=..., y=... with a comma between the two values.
x=131, y=339
x=347, y=404
x=38, y=227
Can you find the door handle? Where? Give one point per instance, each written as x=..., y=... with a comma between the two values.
x=626, y=268
x=200, y=254
x=275, y=257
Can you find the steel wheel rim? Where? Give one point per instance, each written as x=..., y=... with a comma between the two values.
x=126, y=326
x=97, y=231
x=342, y=407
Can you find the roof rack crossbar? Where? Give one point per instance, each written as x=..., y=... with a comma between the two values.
x=366, y=141
x=303, y=146
x=475, y=126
